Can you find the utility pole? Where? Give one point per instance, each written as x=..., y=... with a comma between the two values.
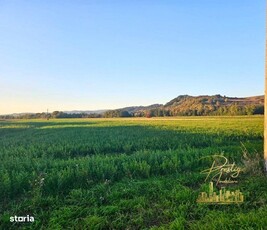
x=47, y=115
x=265, y=95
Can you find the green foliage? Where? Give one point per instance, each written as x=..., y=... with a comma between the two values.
x=116, y=113
x=126, y=173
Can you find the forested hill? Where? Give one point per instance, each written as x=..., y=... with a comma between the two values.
x=215, y=105
x=186, y=105
x=183, y=105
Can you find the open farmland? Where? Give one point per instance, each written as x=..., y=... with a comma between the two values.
x=126, y=173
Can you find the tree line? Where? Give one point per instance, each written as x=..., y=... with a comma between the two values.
x=55, y=114
x=207, y=110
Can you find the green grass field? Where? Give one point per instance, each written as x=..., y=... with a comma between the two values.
x=127, y=173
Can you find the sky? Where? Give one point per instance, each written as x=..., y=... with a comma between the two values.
x=107, y=54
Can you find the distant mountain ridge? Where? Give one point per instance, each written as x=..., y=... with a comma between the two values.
x=100, y=111
x=183, y=105
x=133, y=109
x=202, y=105
x=217, y=98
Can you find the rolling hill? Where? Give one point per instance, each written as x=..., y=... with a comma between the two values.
x=201, y=105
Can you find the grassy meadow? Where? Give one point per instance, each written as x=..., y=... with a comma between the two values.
x=131, y=173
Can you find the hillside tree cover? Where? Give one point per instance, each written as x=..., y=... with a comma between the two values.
x=199, y=110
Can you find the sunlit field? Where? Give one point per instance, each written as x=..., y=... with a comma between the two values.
x=132, y=173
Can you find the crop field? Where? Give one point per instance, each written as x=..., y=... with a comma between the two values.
x=129, y=173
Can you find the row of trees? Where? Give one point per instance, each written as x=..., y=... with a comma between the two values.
x=117, y=113
x=207, y=110
x=55, y=114
x=60, y=114
x=210, y=110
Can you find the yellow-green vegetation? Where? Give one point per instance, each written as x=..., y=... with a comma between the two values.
x=126, y=173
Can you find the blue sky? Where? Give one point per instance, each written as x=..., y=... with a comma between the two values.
x=67, y=55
